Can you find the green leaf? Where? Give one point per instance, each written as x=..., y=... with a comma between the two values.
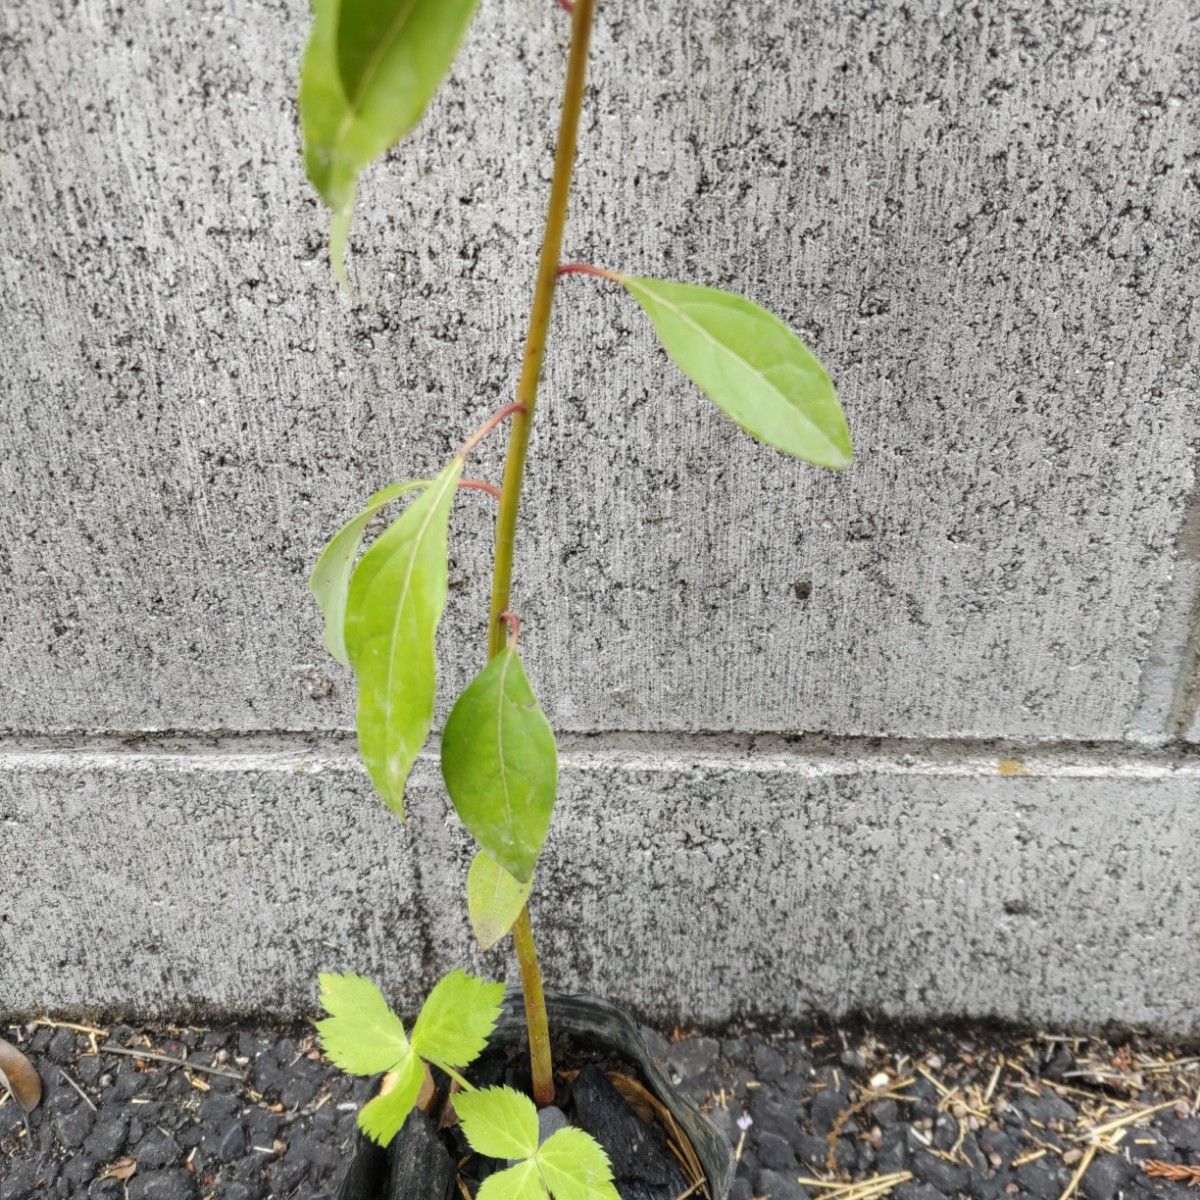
x=456, y=1020
x=751, y=366
x=397, y=594
x=494, y=899
x=369, y=71
x=500, y=764
x=380, y=1119
x=330, y=578
x=521, y=1182
x=573, y=1166
x=499, y=1122
x=361, y=1034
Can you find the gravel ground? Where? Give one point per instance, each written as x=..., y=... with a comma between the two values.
x=833, y=1115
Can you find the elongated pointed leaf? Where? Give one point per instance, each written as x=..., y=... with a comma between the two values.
x=397, y=594
x=361, y=1034
x=521, y=1182
x=751, y=366
x=494, y=899
x=369, y=71
x=330, y=578
x=500, y=764
x=499, y=1122
x=573, y=1166
x=380, y=1119
x=456, y=1020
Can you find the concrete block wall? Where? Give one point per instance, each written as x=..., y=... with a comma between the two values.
x=916, y=738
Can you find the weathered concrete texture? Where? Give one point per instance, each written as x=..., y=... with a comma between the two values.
x=984, y=218
x=1060, y=890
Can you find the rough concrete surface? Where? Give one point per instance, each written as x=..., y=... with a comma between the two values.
x=733, y=881
x=983, y=217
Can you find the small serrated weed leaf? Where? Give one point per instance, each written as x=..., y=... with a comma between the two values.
x=361, y=1034
x=498, y=1122
x=456, y=1020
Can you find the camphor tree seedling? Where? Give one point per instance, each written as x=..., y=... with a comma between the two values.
x=369, y=71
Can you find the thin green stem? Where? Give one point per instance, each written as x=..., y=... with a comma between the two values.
x=540, y=1061
x=466, y=1085
x=539, y=321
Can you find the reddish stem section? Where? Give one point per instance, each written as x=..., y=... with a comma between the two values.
x=478, y=485
x=566, y=6
x=487, y=427
x=514, y=625
x=586, y=269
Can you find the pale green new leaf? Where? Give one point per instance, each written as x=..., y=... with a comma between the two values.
x=751, y=366
x=521, y=1182
x=330, y=578
x=494, y=899
x=457, y=1018
x=380, y=1119
x=361, y=1034
x=499, y=1122
x=573, y=1166
x=500, y=764
x=369, y=71
x=397, y=594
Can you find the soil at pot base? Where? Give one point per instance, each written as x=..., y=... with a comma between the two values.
x=659, y=1144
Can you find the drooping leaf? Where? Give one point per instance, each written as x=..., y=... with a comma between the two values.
x=751, y=366
x=494, y=899
x=369, y=71
x=456, y=1020
x=499, y=1122
x=20, y=1077
x=500, y=764
x=330, y=578
x=361, y=1034
x=380, y=1119
x=521, y=1182
x=397, y=594
x=573, y=1166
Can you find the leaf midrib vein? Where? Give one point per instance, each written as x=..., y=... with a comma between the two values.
x=509, y=655
x=385, y=44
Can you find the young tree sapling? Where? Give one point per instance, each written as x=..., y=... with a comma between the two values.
x=369, y=71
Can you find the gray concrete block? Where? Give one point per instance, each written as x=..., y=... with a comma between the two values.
x=698, y=880
x=982, y=218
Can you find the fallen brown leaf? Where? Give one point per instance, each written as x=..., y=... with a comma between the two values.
x=123, y=1169
x=18, y=1075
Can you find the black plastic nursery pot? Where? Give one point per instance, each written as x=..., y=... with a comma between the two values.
x=596, y=1043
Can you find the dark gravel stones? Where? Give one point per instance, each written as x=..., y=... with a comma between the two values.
x=774, y=1185
x=1107, y=1177
x=157, y=1149
x=692, y=1056
x=287, y=1131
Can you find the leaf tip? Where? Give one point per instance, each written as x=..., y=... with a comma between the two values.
x=396, y=805
x=843, y=459
x=327, y=982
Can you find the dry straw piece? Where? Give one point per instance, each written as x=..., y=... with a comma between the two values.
x=864, y=1189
